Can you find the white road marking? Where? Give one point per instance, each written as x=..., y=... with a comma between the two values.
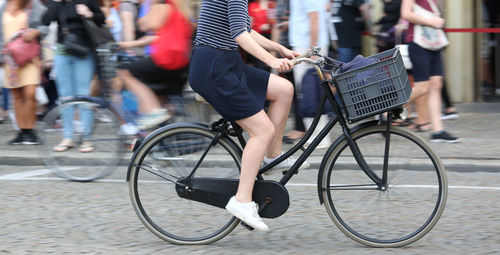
x=31, y=176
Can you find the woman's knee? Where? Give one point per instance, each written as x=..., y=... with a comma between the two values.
x=29, y=92
x=280, y=89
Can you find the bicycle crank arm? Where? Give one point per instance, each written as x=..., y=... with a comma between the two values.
x=271, y=196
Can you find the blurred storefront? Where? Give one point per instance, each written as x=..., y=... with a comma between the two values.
x=473, y=57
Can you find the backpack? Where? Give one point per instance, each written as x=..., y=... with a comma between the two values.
x=311, y=95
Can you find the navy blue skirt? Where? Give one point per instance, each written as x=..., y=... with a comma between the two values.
x=234, y=89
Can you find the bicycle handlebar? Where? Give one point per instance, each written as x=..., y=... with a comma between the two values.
x=300, y=60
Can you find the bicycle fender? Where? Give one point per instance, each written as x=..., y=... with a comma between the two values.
x=333, y=146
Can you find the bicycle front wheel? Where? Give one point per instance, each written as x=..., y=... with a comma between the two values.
x=406, y=210
x=85, y=122
x=164, y=159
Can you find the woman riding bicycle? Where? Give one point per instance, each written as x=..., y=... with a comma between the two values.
x=238, y=91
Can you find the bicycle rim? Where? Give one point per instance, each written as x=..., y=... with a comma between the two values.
x=156, y=167
x=403, y=213
x=83, y=121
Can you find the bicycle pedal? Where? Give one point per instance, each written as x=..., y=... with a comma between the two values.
x=246, y=226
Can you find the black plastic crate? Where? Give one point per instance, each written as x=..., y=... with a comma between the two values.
x=374, y=88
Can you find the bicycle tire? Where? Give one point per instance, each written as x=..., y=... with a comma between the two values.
x=412, y=203
x=161, y=160
x=102, y=131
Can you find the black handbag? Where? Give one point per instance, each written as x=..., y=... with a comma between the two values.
x=74, y=44
x=98, y=34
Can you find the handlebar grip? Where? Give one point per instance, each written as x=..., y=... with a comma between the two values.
x=305, y=55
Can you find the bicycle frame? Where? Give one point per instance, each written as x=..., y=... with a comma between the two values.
x=381, y=182
x=339, y=117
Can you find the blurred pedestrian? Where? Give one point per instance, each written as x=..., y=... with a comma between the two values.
x=74, y=73
x=427, y=69
x=350, y=18
x=17, y=16
x=167, y=65
x=308, y=28
x=386, y=38
x=280, y=35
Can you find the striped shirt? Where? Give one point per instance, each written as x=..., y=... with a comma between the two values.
x=220, y=22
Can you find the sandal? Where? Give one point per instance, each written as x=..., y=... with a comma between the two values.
x=402, y=123
x=64, y=145
x=396, y=122
x=86, y=147
x=420, y=127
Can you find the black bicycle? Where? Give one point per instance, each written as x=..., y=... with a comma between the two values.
x=383, y=186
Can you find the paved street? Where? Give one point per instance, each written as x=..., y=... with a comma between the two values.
x=41, y=214
x=44, y=214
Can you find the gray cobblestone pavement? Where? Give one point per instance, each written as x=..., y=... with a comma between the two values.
x=42, y=214
x=55, y=216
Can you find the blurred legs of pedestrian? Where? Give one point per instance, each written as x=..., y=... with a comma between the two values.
x=73, y=77
x=449, y=112
x=5, y=105
x=149, y=105
x=299, y=128
x=298, y=73
x=25, y=111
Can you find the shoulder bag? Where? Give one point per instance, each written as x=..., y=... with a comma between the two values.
x=425, y=36
x=98, y=34
x=73, y=44
x=22, y=52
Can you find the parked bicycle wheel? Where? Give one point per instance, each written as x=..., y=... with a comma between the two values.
x=96, y=147
x=410, y=206
x=163, y=158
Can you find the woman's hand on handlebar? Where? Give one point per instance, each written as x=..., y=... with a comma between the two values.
x=287, y=53
x=280, y=64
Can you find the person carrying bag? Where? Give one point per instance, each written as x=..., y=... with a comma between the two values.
x=428, y=37
x=427, y=63
x=74, y=63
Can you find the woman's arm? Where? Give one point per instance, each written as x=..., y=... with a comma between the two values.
x=272, y=45
x=141, y=42
x=408, y=14
x=250, y=45
x=156, y=17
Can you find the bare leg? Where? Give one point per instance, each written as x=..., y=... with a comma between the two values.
x=25, y=106
x=280, y=94
x=422, y=107
x=17, y=95
x=436, y=83
x=147, y=98
x=261, y=131
x=29, y=107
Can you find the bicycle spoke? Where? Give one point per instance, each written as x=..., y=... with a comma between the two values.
x=153, y=170
x=353, y=187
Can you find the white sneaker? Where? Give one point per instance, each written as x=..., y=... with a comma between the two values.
x=246, y=212
x=153, y=119
x=285, y=165
x=128, y=129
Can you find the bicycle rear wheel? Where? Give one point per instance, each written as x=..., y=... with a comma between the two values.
x=160, y=162
x=403, y=213
x=83, y=120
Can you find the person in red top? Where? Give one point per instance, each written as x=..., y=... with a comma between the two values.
x=262, y=13
x=166, y=68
